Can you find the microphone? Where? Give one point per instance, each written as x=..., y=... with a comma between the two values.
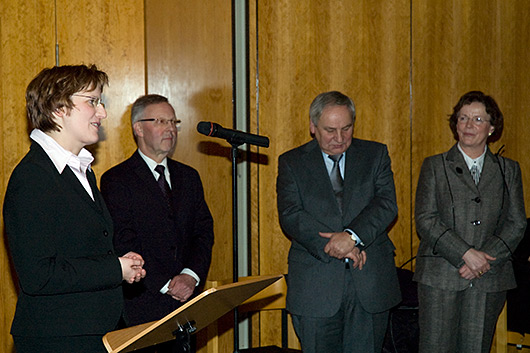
x=232, y=136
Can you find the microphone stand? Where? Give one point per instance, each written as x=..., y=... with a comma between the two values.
x=235, y=141
x=235, y=251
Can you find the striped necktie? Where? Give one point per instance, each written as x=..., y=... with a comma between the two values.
x=163, y=184
x=475, y=174
x=336, y=179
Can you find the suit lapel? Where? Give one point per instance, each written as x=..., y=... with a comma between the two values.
x=315, y=166
x=350, y=170
x=148, y=179
x=457, y=165
x=98, y=200
x=71, y=180
x=176, y=182
x=67, y=178
x=489, y=170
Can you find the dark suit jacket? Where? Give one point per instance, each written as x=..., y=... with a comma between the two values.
x=168, y=240
x=61, y=244
x=307, y=205
x=453, y=214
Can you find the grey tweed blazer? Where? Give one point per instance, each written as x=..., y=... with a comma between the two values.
x=453, y=214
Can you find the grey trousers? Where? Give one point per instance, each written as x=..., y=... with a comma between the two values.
x=350, y=330
x=457, y=321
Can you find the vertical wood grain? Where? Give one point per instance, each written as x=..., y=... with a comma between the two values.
x=405, y=63
x=109, y=34
x=27, y=46
x=464, y=45
x=189, y=60
x=307, y=47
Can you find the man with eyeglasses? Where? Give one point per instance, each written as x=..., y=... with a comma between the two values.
x=158, y=205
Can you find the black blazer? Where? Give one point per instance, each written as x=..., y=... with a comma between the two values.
x=61, y=244
x=168, y=240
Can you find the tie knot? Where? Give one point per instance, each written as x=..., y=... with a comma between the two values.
x=160, y=169
x=336, y=157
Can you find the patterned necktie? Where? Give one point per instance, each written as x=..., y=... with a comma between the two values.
x=475, y=173
x=336, y=179
x=162, y=182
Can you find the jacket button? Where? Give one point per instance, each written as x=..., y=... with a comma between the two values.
x=476, y=223
x=109, y=252
x=105, y=233
x=477, y=199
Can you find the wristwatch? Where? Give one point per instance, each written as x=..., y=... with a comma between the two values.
x=352, y=235
x=355, y=239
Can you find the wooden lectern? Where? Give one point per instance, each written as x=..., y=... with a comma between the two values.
x=193, y=316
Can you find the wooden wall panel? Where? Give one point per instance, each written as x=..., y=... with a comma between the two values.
x=109, y=34
x=307, y=47
x=404, y=62
x=27, y=46
x=464, y=45
x=359, y=48
x=189, y=60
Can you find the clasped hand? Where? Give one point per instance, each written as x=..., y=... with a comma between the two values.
x=341, y=246
x=477, y=263
x=132, y=267
x=181, y=287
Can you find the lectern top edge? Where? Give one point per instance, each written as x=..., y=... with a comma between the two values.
x=204, y=309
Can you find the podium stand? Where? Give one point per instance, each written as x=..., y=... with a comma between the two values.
x=193, y=316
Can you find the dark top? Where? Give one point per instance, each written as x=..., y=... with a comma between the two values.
x=61, y=244
x=168, y=239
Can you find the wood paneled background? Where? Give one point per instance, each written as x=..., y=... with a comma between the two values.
x=405, y=63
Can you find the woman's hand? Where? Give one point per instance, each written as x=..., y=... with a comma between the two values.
x=477, y=263
x=132, y=267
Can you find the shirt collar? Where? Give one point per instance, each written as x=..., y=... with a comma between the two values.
x=479, y=161
x=329, y=162
x=59, y=155
x=150, y=162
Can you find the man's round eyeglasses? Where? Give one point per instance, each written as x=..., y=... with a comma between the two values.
x=92, y=100
x=163, y=122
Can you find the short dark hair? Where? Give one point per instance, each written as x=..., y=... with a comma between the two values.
x=329, y=98
x=143, y=102
x=53, y=88
x=497, y=119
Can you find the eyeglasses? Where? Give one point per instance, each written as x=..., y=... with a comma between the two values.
x=92, y=100
x=475, y=120
x=164, y=122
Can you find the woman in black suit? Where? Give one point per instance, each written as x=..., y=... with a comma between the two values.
x=58, y=228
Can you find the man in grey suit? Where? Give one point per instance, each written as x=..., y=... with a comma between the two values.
x=336, y=199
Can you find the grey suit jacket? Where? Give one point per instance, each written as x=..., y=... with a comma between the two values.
x=307, y=206
x=453, y=214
